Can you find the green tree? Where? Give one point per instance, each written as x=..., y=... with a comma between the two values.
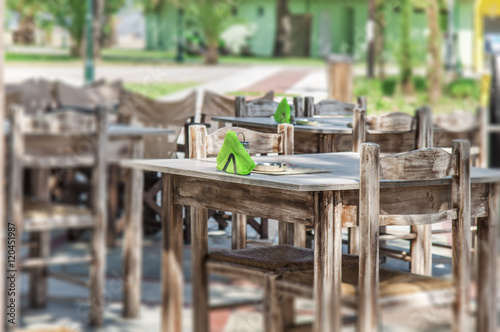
x=405, y=61
x=27, y=10
x=212, y=17
x=434, y=42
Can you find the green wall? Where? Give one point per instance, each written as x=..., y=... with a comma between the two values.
x=341, y=34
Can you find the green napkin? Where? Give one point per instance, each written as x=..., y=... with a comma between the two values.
x=233, y=151
x=282, y=114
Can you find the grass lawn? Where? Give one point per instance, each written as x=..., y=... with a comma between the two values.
x=121, y=56
x=156, y=90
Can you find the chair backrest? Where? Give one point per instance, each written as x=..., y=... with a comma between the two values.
x=135, y=108
x=202, y=145
x=262, y=107
x=99, y=93
x=426, y=164
x=327, y=107
x=464, y=125
x=395, y=132
x=53, y=141
x=35, y=95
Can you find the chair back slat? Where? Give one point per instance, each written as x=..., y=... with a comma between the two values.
x=261, y=107
x=332, y=107
x=391, y=122
x=202, y=145
x=418, y=219
x=426, y=164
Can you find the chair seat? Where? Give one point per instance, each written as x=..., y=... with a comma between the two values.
x=39, y=215
x=271, y=258
x=392, y=283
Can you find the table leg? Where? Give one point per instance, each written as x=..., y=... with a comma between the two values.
x=328, y=262
x=171, y=270
x=487, y=256
x=199, y=252
x=132, y=247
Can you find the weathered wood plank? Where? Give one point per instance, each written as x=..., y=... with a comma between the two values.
x=417, y=219
x=414, y=165
x=171, y=266
x=487, y=262
x=98, y=241
x=368, y=307
x=243, y=199
x=328, y=262
x=199, y=243
x=132, y=248
x=461, y=236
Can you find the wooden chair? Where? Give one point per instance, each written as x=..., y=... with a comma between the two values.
x=396, y=132
x=79, y=142
x=203, y=145
x=463, y=125
x=263, y=107
x=367, y=287
x=328, y=107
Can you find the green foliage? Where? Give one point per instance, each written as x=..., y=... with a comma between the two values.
x=156, y=90
x=406, y=55
x=389, y=86
x=464, y=88
x=420, y=83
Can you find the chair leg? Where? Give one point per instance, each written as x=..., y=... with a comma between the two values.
x=353, y=239
x=38, y=276
x=113, y=204
x=264, y=228
x=274, y=320
x=187, y=225
x=98, y=272
x=239, y=231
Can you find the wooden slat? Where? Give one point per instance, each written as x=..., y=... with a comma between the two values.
x=487, y=262
x=391, y=122
x=98, y=241
x=396, y=254
x=243, y=199
x=369, y=231
x=171, y=267
x=461, y=236
x=58, y=260
x=333, y=107
x=132, y=248
x=239, y=231
x=417, y=219
x=259, y=142
x=390, y=237
x=414, y=165
x=199, y=241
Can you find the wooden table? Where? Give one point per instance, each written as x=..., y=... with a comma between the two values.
x=333, y=135
x=325, y=201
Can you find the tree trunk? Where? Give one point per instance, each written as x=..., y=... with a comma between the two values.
x=283, y=29
x=98, y=11
x=26, y=31
x=380, y=23
x=434, y=67
x=212, y=55
x=406, y=70
x=76, y=49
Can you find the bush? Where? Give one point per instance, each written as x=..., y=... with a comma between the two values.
x=389, y=86
x=463, y=88
x=420, y=83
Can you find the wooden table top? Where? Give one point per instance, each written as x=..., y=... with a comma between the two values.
x=326, y=125
x=344, y=174
x=116, y=130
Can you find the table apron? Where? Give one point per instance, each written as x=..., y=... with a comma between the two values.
x=271, y=203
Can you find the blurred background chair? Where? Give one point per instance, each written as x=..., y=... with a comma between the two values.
x=37, y=143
